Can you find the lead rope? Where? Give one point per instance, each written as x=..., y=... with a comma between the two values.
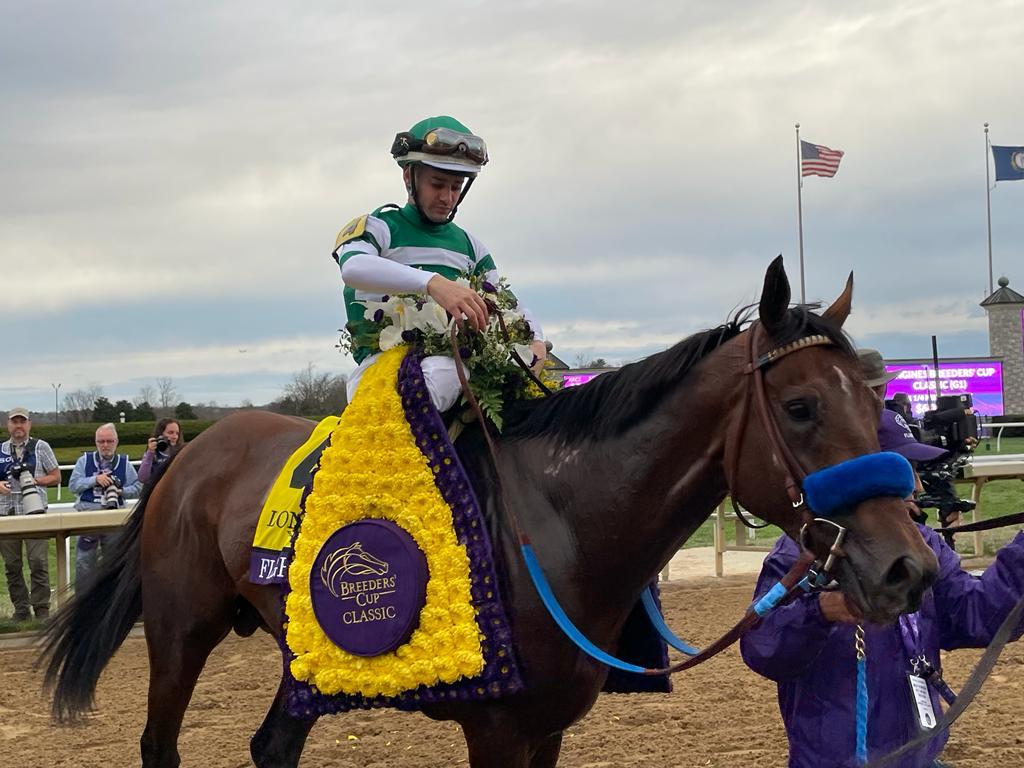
x=862, y=695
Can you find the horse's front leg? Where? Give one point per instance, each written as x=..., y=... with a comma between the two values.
x=500, y=746
x=546, y=755
x=279, y=741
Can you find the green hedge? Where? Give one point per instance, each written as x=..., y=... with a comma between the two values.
x=79, y=435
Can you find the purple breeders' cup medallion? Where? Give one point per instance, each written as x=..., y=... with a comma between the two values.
x=368, y=585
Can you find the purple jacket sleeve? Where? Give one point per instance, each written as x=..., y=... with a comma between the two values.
x=969, y=609
x=788, y=640
x=146, y=467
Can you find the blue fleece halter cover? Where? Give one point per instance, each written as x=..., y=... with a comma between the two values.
x=841, y=487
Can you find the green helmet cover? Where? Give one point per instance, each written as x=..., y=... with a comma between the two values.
x=428, y=124
x=461, y=165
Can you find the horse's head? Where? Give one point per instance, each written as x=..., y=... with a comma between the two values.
x=808, y=409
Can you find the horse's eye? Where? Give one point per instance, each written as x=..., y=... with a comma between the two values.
x=799, y=410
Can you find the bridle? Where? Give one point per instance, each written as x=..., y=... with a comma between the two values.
x=793, y=468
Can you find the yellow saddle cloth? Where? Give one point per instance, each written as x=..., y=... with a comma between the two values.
x=374, y=468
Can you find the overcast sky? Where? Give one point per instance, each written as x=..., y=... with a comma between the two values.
x=174, y=174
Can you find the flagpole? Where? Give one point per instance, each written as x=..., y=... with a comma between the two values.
x=800, y=216
x=988, y=210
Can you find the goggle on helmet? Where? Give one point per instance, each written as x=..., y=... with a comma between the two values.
x=443, y=148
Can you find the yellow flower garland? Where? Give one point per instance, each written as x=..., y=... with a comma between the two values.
x=373, y=469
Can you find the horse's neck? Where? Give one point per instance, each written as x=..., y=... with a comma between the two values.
x=622, y=506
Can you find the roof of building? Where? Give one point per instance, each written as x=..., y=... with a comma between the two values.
x=1004, y=294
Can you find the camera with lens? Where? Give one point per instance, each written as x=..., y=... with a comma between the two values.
x=112, y=494
x=30, y=498
x=163, y=445
x=950, y=426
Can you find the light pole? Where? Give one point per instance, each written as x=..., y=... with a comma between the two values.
x=56, y=402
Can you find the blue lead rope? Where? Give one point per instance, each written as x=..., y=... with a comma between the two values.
x=862, y=698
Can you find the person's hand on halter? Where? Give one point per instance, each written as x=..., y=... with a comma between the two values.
x=835, y=607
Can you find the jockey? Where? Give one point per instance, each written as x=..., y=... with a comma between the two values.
x=419, y=249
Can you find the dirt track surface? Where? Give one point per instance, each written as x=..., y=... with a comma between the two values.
x=721, y=715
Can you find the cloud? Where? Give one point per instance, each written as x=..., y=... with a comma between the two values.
x=642, y=176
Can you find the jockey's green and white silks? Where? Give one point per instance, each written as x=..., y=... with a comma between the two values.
x=401, y=235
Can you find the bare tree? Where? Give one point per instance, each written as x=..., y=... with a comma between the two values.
x=146, y=395
x=78, y=404
x=312, y=394
x=166, y=392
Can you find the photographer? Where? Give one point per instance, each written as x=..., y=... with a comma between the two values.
x=27, y=466
x=166, y=441
x=101, y=479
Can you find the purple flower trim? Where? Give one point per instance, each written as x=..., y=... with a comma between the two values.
x=500, y=676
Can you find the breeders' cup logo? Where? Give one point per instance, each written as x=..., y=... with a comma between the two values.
x=352, y=560
x=368, y=585
x=1017, y=160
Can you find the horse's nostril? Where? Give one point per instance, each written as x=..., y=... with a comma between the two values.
x=905, y=573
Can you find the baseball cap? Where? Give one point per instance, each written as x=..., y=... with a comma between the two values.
x=19, y=411
x=894, y=435
x=873, y=367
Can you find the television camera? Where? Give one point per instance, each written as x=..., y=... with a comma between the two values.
x=952, y=426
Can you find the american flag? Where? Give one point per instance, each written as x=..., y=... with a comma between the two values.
x=818, y=160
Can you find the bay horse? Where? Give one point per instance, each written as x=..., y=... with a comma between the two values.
x=609, y=480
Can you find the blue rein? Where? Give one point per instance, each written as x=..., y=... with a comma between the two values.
x=828, y=491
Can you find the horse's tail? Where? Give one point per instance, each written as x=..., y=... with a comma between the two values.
x=84, y=635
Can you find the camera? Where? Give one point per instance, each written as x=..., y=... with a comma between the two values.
x=937, y=477
x=112, y=494
x=30, y=498
x=950, y=426
x=163, y=445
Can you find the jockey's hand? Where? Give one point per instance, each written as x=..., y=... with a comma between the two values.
x=540, y=351
x=835, y=607
x=460, y=302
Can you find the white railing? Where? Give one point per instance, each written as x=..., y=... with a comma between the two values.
x=992, y=425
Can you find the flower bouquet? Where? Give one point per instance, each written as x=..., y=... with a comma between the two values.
x=494, y=376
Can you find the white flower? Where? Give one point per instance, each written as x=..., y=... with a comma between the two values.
x=510, y=316
x=525, y=352
x=390, y=337
x=432, y=317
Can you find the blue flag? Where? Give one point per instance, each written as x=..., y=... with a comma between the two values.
x=1009, y=163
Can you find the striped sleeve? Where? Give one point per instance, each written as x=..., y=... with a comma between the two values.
x=374, y=241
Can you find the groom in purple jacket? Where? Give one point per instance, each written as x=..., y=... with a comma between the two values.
x=807, y=647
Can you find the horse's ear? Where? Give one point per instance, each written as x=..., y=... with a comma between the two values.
x=774, y=297
x=839, y=309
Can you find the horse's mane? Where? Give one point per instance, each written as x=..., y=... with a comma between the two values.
x=614, y=401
